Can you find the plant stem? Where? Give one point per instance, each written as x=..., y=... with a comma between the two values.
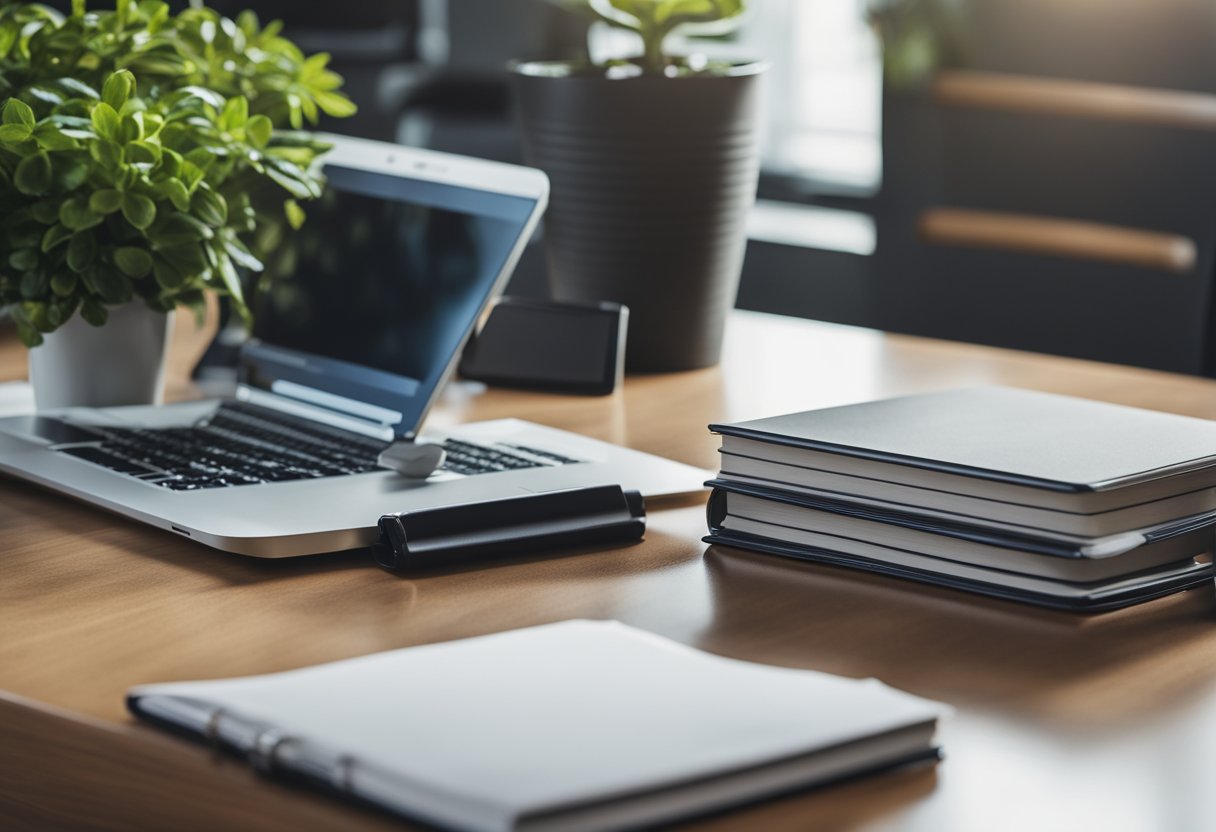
x=653, y=60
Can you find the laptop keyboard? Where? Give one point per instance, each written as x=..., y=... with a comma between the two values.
x=242, y=444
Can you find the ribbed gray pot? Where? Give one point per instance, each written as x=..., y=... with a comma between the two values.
x=120, y=363
x=651, y=182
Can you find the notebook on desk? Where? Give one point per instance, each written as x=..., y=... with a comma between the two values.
x=1032, y=497
x=353, y=344
x=991, y=456
x=579, y=725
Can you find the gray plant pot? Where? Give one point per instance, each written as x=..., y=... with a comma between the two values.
x=121, y=363
x=651, y=182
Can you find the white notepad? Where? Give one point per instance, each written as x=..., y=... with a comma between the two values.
x=576, y=725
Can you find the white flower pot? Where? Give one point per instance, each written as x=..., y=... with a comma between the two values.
x=120, y=363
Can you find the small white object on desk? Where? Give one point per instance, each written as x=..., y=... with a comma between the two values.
x=416, y=460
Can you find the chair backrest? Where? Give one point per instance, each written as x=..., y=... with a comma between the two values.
x=1065, y=216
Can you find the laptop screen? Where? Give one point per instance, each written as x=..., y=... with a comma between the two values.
x=366, y=305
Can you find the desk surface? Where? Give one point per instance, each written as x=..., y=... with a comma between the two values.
x=1062, y=721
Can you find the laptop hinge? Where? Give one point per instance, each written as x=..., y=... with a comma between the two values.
x=261, y=398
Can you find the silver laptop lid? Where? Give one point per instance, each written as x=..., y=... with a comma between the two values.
x=368, y=307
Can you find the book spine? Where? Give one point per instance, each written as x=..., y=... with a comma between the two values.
x=267, y=749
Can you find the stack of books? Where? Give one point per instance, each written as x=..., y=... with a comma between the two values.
x=1028, y=496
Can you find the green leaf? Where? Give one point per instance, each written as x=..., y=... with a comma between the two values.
x=63, y=283
x=106, y=153
x=46, y=211
x=74, y=122
x=209, y=206
x=334, y=104
x=174, y=191
x=153, y=124
x=106, y=122
x=128, y=175
x=294, y=213
x=117, y=88
x=248, y=23
x=23, y=259
x=131, y=128
x=191, y=174
x=93, y=312
x=78, y=87
x=76, y=214
x=35, y=312
x=207, y=96
x=56, y=235
x=112, y=285
x=235, y=113
x=295, y=115
x=188, y=259
x=167, y=277
x=11, y=134
x=29, y=337
x=156, y=12
x=45, y=95
x=176, y=228
x=295, y=182
x=241, y=255
x=82, y=251
x=8, y=36
x=33, y=174
x=105, y=201
x=51, y=137
x=134, y=262
x=315, y=65
x=33, y=285
x=17, y=111
x=142, y=152
x=203, y=157
x=232, y=282
x=259, y=130
x=71, y=171
x=309, y=105
x=170, y=162
x=139, y=210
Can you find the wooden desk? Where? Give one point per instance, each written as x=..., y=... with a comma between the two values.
x=1063, y=722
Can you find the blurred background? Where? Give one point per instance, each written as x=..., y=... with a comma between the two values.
x=1037, y=174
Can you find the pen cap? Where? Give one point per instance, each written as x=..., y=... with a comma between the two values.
x=450, y=534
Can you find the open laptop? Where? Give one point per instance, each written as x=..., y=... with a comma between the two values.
x=355, y=338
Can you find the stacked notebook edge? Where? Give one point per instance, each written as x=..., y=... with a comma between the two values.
x=1002, y=495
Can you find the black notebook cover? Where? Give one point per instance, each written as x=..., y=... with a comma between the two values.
x=1166, y=583
x=715, y=510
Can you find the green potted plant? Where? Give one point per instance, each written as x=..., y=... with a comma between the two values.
x=141, y=165
x=653, y=165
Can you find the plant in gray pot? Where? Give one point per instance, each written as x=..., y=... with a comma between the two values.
x=653, y=165
x=139, y=168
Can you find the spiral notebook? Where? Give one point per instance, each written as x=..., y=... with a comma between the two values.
x=579, y=725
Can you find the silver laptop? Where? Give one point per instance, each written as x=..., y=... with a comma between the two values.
x=355, y=339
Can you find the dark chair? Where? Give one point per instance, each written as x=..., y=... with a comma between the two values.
x=1059, y=214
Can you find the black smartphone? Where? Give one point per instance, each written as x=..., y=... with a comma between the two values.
x=550, y=345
